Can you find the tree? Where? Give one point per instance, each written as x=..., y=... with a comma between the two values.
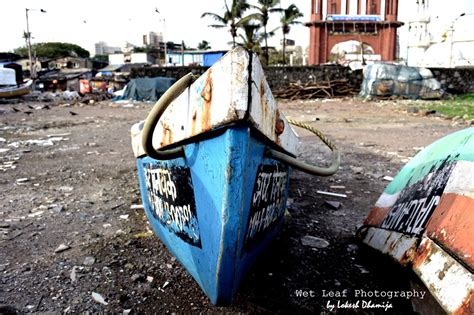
x=204, y=45
x=263, y=15
x=230, y=18
x=252, y=38
x=54, y=50
x=288, y=18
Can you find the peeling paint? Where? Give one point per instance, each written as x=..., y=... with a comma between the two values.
x=206, y=95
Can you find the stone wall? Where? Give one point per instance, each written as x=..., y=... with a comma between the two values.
x=455, y=81
x=281, y=77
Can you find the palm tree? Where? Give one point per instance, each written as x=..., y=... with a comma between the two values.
x=230, y=17
x=204, y=45
x=263, y=15
x=252, y=38
x=288, y=18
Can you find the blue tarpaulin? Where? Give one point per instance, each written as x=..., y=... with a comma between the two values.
x=146, y=89
x=211, y=57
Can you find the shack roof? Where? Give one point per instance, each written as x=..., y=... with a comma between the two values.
x=111, y=68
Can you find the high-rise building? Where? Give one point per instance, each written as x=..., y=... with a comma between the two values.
x=154, y=39
x=101, y=48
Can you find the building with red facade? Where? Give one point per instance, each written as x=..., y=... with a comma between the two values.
x=370, y=22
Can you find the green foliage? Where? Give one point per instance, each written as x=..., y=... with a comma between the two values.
x=459, y=106
x=54, y=50
x=264, y=9
x=204, y=45
x=289, y=17
x=230, y=18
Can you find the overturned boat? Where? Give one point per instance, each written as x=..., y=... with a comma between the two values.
x=214, y=158
x=425, y=219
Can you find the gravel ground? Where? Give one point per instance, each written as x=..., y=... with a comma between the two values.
x=72, y=242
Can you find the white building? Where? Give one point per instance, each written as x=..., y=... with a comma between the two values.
x=120, y=59
x=438, y=34
x=101, y=48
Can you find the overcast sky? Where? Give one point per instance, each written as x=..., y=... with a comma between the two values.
x=115, y=22
x=87, y=22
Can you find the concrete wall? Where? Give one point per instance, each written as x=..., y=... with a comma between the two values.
x=456, y=81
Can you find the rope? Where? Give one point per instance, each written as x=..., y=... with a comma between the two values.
x=315, y=131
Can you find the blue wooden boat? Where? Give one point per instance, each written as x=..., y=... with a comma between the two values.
x=214, y=158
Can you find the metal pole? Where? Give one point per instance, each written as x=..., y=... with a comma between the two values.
x=164, y=38
x=28, y=36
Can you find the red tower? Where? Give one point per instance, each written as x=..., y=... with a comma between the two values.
x=371, y=22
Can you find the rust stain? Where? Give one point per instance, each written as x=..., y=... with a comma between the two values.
x=451, y=225
x=279, y=127
x=167, y=137
x=206, y=95
x=193, y=124
x=408, y=256
x=279, y=124
x=467, y=306
x=392, y=246
x=421, y=254
x=376, y=216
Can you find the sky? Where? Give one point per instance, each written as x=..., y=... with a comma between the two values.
x=115, y=22
x=89, y=21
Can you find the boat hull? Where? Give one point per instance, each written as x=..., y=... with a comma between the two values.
x=16, y=91
x=218, y=207
x=424, y=220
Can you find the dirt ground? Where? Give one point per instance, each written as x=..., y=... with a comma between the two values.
x=68, y=177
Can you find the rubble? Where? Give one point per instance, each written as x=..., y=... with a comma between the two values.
x=315, y=242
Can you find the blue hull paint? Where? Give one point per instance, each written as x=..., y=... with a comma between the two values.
x=239, y=203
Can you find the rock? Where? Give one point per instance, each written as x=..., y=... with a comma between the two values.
x=99, y=298
x=61, y=248
x=73, y=274
x=362, y=269
x=149, y=279
x=332, y=204
x=357, y=169
x=58, y=209
x=4, y=225
x=137, y=278
x=126, y=312
x=124, y=217
x=89, y=261
x=388, y=178
x=66, y=188
x=313, y=241
x=165, y=284
x=412, y=110
x=352, y=248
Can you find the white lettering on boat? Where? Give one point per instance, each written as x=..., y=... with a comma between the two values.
x=268, y=199
x=171, y=197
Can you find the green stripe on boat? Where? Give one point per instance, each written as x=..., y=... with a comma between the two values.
x=454, y=147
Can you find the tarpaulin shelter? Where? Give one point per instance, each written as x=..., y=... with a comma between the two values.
x=383, y=79
x=147, y=89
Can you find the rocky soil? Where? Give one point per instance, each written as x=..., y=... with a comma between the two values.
x=74, y=239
